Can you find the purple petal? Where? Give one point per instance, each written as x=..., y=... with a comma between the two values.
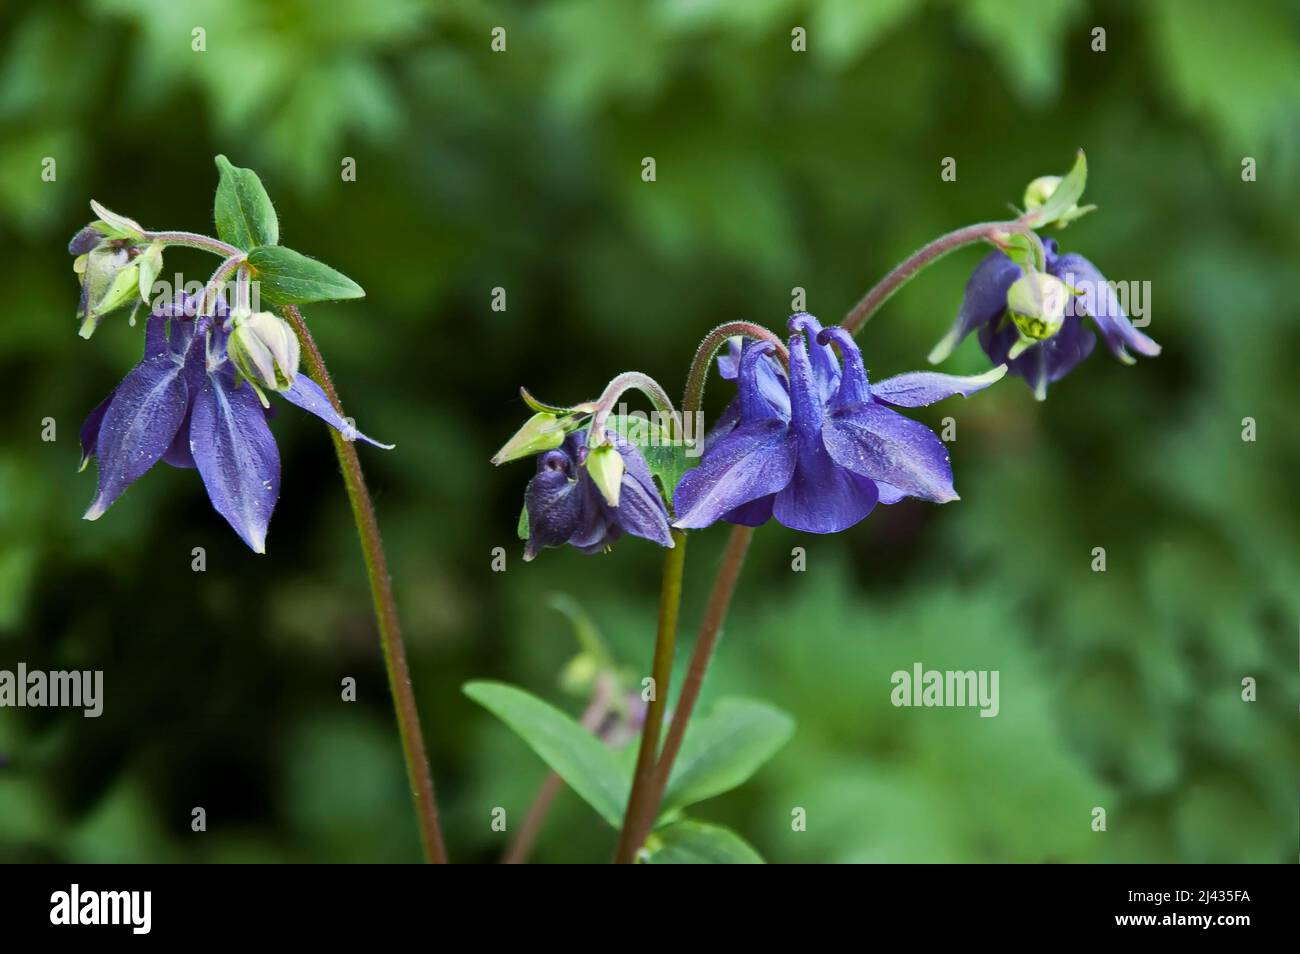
x=769, y=375
x=237, y=458
x=761, y=383
x=920, y=388
x=553, y=501
x=724, y=425
x=753, y=514
x=823, y=497
x=984, y=300
x=826, y=371
x=1098, y=300
x=889, y=494
x=90, y=430
x=853, y=387
x=1044, y=363
x=753, y=461
x=729, y=362
x=155, y=335
x=806, y=405
x=641, y=510
x=85, y=240
x=874, y=441
x=145, y=413
x=178, y=453
x=308, y=395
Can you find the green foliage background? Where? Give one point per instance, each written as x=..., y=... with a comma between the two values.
x=775, y=169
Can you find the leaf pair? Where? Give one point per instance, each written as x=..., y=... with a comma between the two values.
x=720, y=752
x=246, y=219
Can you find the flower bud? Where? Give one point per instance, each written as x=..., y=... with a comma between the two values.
x=605, y=466
x=1036, y=303
x=579, y=674
x=1037, y=194
x=1040, y=190
x=541, y=432
x=150, y=263
x=110, y=278
x=264, y=350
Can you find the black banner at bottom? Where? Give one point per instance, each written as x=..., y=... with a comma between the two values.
x=336, y=904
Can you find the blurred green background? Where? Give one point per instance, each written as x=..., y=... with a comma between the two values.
x=776, y=169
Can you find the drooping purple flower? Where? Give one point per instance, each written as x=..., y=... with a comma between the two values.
x=565, y=506
x=818, y=450
x=985, y=304
x=182, y=404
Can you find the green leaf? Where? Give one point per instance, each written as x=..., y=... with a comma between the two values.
x=695, y=843
x=1067, y=194
x=522, y=529
x=287, y=277
x=722, y=750
x=243, y=210
x=584, y=762
x=665, y=457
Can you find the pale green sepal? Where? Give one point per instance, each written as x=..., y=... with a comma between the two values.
x=605, y=465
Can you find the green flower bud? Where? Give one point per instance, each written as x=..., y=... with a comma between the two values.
x=579, y=674
x=1036, y=303
x=264, y=350
x=605, y=466
x=541, y=432
x=1041, y=190
x=110, y=278
x=150, y=264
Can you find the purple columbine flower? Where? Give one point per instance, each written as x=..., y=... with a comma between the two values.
x=819, y=451
x=181, y=405
x=565, y=506
x=985, y=305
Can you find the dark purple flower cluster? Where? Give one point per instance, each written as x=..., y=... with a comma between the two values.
x=984, y=308
x=185, y=405
x=820, y=448
x=565, y=506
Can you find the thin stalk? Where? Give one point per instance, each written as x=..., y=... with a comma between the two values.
x=208, y=300
x=381, y=593
x=715, y=614
x=620, y=385
x=194, y=240
x=908, y=268
x=639, y=804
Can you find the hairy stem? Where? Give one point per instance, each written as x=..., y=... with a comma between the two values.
x=715, y=614
x=620, y=385
x=640, y=806
x=194, y=240
x=381, y=592
x=698, y=375
x=908, y=268
x=208, y=300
